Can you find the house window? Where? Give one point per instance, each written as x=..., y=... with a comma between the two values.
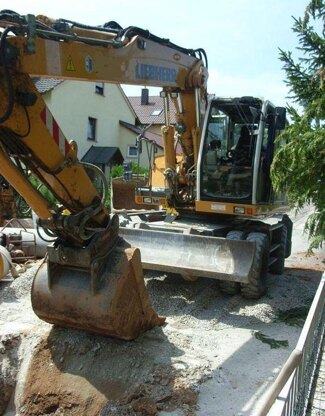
x=91, y=135
x=132, y=151
x=99, y=88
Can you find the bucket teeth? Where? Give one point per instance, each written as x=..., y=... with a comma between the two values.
x=118, y=304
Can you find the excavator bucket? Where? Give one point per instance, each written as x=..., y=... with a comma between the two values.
x=108, y=298
x=193, y=255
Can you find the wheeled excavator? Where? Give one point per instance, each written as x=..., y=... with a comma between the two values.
x=92, y=278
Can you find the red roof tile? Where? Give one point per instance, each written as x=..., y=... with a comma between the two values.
x=146, y=113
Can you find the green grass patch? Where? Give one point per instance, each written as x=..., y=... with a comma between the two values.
x=273, y=343
x=294, y=316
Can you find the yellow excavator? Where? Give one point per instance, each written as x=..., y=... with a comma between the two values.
x=92, y=278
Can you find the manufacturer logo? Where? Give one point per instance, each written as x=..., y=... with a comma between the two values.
x=155, y=73
x=218, y=207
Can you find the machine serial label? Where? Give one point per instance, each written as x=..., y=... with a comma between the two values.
x=155, y=73
x=89, y=64
x=218, y=207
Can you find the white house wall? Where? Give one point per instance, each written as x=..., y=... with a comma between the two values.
x=72, y=102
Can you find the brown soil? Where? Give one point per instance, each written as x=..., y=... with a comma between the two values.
x=78, y=374
x=313, y=261
x=48, y=390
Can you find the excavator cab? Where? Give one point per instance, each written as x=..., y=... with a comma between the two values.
x=237, y=151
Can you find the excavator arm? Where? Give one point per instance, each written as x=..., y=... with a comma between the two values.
x=91, y=279
x=32, y=142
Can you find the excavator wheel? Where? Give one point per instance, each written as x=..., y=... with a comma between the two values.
x=256, y=287
x=226, y=286
x=112, y=301
x=278, y=266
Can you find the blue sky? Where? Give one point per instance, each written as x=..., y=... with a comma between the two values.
x=241, y=37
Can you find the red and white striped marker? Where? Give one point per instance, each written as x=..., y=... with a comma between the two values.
x=55, y=131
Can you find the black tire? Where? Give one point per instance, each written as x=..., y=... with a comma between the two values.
x=278, y=266
x=3, y=239
x=231, y=288
x=257, y=284
x=288, y=223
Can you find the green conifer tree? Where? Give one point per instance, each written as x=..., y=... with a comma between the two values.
x=299, y=166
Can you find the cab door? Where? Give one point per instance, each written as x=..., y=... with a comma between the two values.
x=272, y=128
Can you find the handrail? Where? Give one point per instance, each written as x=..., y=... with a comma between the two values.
x=316, y=306
x=282, y=378
x=298, y=356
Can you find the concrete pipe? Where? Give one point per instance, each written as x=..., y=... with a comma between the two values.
x=5, y=262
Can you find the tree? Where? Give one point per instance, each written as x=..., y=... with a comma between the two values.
x=299, y=165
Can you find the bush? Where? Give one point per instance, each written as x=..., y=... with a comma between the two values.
x=117, y=171
x=139, y=170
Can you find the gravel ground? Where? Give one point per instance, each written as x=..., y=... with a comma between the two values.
x=216, y=354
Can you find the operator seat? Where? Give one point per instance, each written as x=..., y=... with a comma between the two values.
x=243, y=150
x=240, y=176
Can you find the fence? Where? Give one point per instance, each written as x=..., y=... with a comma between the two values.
x=290, y=392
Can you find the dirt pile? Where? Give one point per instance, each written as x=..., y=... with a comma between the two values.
x=74, y=373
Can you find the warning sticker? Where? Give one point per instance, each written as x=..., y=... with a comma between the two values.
x=70, y=66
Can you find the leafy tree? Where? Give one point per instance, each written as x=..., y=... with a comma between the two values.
x=299, y=166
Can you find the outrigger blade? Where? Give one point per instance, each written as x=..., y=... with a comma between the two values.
x=106, y=296
x=193, y=255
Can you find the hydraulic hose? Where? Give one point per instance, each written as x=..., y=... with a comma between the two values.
x=4, y=117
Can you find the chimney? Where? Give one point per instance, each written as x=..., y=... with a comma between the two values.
x=144, y=96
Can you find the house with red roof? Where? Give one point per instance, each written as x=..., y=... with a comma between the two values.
x=99, y=117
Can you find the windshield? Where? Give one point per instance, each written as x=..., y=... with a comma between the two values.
x=228, y=155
